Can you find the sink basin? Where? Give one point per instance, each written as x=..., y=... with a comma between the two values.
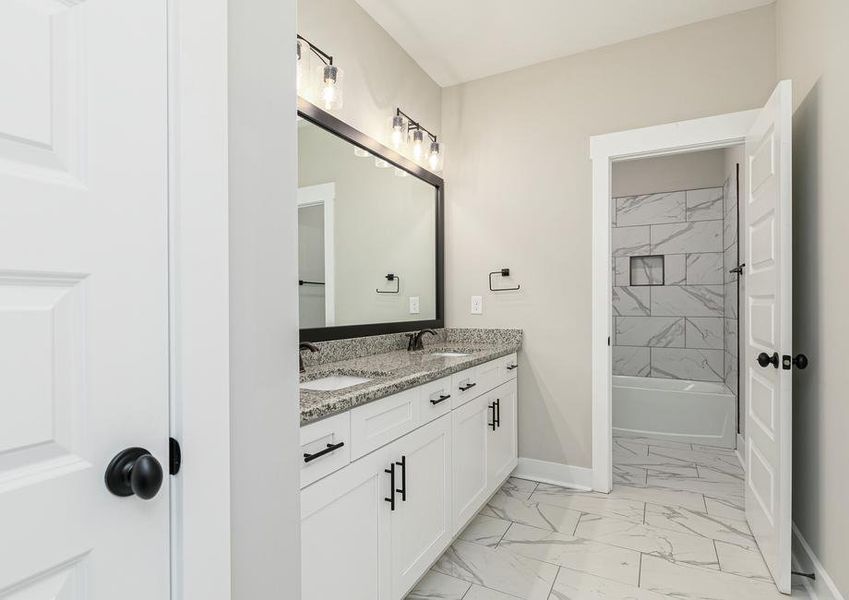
x=333, y=382
x=449, y=354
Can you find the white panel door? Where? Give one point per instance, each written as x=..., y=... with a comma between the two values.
x=768, y=333
x=421, y=523
x=83, y=296
x=345, y=528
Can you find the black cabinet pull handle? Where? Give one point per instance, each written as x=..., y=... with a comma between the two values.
x=468, y=386
x=511, y=367
x=391, y=499
x=330, y=448
x=403, y=488
x=765, y=359
x=494, y=423
x=443, y=398
x=498, y=412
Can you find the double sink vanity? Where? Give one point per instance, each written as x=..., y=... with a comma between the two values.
x=401, y=449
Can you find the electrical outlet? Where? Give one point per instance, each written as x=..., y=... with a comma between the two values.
x=477, y=305
x=414, y=305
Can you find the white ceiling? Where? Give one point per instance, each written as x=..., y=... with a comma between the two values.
x=459, y=40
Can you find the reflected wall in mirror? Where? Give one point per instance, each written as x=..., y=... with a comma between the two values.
x=367, y=236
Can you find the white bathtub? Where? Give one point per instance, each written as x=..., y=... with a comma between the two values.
x=697, y=412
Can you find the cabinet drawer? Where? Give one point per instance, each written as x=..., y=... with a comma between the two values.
x=490, y=375
x=379, y=422
x=509, y=366
x=464, y=387
x=325, y=447
x=435, y=399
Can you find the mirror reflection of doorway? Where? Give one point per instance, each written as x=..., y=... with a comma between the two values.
x=315, y=255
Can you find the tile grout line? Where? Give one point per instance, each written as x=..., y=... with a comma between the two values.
x=640, y=571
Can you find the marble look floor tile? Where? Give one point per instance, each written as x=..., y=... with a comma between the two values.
x=498, y=569
x=740, y=560
x=725, y=507
x=591, y=502
x=630, y=447
x=437, y=586
x=575, y=585
x=693, y=583
x=673, y=471
x=629, y=475
x=687, y=499
x=518, y=488
x=619, y=564
x=679, y=547
x=730, y=452
x=715, y=460
x=721, y=474
x=651, y=461
x=477, y=592
x=719, y=489
x=485, y=530
x=533, y=513
x=682, y=520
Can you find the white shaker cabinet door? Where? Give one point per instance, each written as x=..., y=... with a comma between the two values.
x=421, y=521
x=345, y=533
x=502, y=447
x=470, y=434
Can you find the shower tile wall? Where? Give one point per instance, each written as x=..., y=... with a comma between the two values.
x=730, y=260
x=676, y=330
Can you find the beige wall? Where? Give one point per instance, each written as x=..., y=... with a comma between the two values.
x=689, y=171
x=518, y=192
x=378, y=75
x=813, y=46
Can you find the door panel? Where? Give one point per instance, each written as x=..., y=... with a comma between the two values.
x=769, y=330
x=502, y=450
x=470, y=459
x=83, y=295
x=421, y=525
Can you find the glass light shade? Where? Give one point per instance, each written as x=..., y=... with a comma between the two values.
x=305, y=72
x=398, y=133
x=330, y=87
x=400, y=172
x=436, y=156
x=418, y=145
x=381, y=164
x=360, y=152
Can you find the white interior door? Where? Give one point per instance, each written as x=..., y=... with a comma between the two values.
x=83, y=297
x=768, y=319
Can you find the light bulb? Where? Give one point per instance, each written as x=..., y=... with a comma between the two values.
x=418, y=144
x=331, y=93
x=433, y=158
x=399, y=126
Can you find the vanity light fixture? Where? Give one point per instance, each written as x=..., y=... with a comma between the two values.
x=329, y=75
x=425, y=146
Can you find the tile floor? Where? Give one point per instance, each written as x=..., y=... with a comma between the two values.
x=673, y=527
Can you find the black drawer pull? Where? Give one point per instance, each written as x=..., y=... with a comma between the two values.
x=391, y=499
x=440, y=399
x=403, y=489
x=511, y=367
x=468, y=386
x=498, y=412
x=494, y=423
x=330, y=448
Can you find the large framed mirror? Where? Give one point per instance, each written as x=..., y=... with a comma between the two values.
x=370, y=234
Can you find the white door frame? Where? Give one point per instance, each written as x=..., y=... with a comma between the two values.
x=684, y=136
x=324, y=194
x=199, y=297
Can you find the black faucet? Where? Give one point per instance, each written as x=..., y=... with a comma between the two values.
x=305, y=346
x=415, y=342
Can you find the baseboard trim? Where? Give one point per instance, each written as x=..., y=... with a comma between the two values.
x=804, y=559
x=741, y=450
x=569, y=476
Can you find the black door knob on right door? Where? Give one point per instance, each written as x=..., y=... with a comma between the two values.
x=765, y=359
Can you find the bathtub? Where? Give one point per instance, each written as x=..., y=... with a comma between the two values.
x=696, y=412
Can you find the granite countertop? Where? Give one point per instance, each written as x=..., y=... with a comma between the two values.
x=397, y=370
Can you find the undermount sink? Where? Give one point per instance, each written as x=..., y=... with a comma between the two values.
x=332, y=383
x=449, y=354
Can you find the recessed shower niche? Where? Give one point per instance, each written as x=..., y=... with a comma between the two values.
x=647, y=270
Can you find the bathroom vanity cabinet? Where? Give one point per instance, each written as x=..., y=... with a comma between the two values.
x=413, y=469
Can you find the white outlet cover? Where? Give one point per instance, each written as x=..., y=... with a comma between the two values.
x=477, y=305
x=414, y=305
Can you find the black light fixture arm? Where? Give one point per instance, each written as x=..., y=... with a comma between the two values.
x=321, y=54
x=413, y=124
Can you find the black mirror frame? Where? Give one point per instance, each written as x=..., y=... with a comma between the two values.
x=325, y=120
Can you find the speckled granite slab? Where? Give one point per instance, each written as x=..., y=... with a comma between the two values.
x=384, y=360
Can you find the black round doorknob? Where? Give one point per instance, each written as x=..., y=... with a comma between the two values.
x=134, y=471
x=801, y=361
x=765, y=359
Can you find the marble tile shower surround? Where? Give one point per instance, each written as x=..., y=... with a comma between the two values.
x=730, y=259
x=673, y=527
x=676, y=330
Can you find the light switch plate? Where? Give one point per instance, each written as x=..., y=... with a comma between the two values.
x=477, y=305
x=414, y=305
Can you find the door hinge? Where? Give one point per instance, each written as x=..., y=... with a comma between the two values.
x=608, y=340
x=175, y=456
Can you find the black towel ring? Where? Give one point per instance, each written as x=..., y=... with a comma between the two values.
x=504, y=273
x=396, y=279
